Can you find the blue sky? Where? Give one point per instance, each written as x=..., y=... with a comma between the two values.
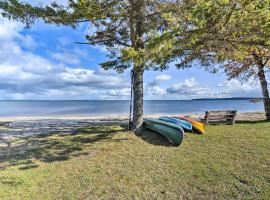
x=45, y=63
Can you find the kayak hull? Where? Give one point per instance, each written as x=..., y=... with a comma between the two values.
x=197, y=126
x=184, y=124
x=172, y=132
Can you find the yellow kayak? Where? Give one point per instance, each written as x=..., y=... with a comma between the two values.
x=198, y=126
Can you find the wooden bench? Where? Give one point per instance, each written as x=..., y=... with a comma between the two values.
x=217, y=117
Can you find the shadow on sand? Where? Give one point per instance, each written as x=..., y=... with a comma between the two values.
x=50, y=147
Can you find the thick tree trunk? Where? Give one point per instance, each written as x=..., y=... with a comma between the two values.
x=138, y=98
x=136, y=36
x=265, y=92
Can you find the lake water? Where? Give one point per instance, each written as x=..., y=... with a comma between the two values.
x=112, y=108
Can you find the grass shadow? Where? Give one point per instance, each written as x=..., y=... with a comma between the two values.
x=251, y=122
x=13, y=182
x=51, y=147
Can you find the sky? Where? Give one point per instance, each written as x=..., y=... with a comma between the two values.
x=45, y=63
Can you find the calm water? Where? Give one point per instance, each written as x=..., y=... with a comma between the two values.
x=103, y=108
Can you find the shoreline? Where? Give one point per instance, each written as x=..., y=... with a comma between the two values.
x=12, y=128
x=241, y=116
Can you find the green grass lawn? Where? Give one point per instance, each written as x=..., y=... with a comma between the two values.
x=229, y=162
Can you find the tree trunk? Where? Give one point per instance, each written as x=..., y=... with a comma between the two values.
x=265, y=92
x=136, y=36
x=138, y=98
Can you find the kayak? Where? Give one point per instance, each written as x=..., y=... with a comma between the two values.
x=197, y=126
x=184, y=124
x=172, y=132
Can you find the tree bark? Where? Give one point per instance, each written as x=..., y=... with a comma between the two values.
x=265, y=92
x=136, y=36
x=138, y=98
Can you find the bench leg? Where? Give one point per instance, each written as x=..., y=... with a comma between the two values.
x=206, y=118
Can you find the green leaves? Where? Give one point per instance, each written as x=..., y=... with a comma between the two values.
x=218, y=31
x=124, y=27
x=159, y=32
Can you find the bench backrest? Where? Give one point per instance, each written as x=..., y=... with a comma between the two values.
x=217, y=117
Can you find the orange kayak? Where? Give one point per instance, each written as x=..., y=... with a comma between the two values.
x=198, y=126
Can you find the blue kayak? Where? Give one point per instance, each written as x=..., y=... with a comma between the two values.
x=184, y=124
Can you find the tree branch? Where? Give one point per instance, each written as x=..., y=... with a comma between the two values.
x=83, y=43
x=81, y=21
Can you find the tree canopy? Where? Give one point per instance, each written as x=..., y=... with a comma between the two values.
x=215, y=31
x=115, y=24
x=234, y=34
x=124, y=27
x=150, y=34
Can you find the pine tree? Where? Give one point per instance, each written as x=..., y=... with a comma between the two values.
x=124, y=27
x=233, y=34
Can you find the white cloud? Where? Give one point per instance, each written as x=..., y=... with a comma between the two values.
x=156, y=91
x=188, y=87
x=160, y=78
x=153, y=90
x=64, y=41
x=163, y=77
x=69, y=55
x=235, y=85
x=66, y=57
x=120, y=94
x=191, y=89
x=9, y=30
x=28, y=42
x=25, y=75
x=237, y=89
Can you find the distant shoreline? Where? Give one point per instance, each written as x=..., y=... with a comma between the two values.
x=233, y=98
x=229, y=98
x=241, y=116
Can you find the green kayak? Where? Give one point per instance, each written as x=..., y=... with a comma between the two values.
x=172, y=132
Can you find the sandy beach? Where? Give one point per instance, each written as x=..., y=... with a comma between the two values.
x=16, y=127
x=245, y=116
